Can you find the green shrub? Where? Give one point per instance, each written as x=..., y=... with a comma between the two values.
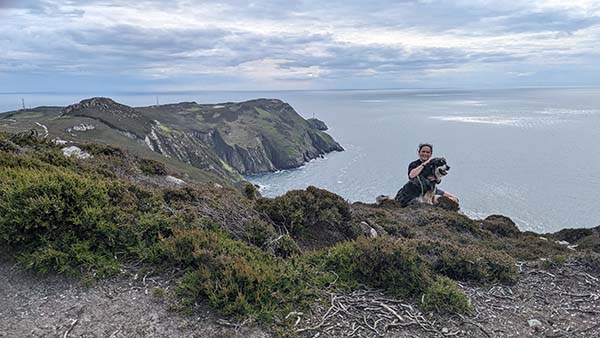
x=501, y=226
x=284, y=246
x=250, y=191
x=7, y=145
x=573, y=235
x=591, y=242
x=258, y=233
x=469, y=262
x=151, y=167
x=58, y=220
x=443, y=295
x=378, y=262
x=102, y=150
x=237, y=278
x=310, y=211
x=527, y=246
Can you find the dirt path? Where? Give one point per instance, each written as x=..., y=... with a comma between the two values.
x=34, y=306
x=560, y=302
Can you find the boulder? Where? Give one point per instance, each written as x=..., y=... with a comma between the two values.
x=76, y=152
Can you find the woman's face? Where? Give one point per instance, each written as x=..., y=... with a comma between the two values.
x=424, y=153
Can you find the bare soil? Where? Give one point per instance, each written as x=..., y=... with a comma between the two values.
x=565, y=300
x=125, y=306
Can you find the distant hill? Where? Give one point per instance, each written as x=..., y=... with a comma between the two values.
x=226, y=139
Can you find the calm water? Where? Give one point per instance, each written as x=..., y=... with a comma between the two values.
x=530, y=154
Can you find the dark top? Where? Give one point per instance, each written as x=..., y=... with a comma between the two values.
x=413, y=165
x=417, y=163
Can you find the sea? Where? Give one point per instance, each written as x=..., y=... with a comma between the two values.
x=531, y=154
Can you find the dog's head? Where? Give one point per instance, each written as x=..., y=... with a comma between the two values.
x=437, y=168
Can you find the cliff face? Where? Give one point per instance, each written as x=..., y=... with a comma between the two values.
x=226, y=139
x=252, y=137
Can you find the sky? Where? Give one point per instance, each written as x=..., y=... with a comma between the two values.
x=186, y=45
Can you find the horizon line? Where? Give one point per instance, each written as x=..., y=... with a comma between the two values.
x=191, y=91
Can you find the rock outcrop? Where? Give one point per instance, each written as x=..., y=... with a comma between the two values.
x=317, y=124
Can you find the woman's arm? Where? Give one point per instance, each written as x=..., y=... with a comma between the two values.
x=450, y=196
x=416, y=171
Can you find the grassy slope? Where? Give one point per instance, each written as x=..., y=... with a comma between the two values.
x=102, y=134
x=245, y=256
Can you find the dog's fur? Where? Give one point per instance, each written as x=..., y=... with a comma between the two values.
x=421, y=188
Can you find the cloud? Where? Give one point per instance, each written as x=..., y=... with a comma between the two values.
x=300, y=43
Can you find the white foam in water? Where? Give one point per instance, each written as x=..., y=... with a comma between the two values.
x=428, y=94
x=513, y=121
x=508, y=121
x=374, y=101
x=470, y=103
x=559, y=111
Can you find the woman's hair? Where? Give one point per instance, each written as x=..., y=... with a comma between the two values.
x=426, y=145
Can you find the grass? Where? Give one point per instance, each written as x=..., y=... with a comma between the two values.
x=246, y=256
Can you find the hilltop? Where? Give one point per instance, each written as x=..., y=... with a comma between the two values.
x=122, y=239
x=222, y=140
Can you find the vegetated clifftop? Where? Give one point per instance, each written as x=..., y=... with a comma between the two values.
x=317, y=124
x=274, y=260
x=225, y=139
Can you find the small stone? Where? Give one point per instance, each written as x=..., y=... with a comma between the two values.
x=76, y=152
x=445, y=330
x=565, y=243
x=534, y=323
x=175, y=180
x=374, y=233
x=543, y=238
x=367, y=230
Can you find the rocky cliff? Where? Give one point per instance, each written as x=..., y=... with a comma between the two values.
x=225, y=139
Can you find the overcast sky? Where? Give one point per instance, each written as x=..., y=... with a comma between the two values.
x=152, y=45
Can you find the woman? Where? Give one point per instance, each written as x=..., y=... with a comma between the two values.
x=415, y=168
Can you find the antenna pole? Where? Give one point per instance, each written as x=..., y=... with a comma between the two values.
x=23, y=103
x=157, y=100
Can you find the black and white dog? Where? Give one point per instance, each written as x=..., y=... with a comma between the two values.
x=422, y=188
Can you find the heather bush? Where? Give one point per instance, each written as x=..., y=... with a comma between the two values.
x=311, y=212
x=384, y=263
x=443, y=295
x=469, y=262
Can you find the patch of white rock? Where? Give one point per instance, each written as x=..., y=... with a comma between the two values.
x=74, y=151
